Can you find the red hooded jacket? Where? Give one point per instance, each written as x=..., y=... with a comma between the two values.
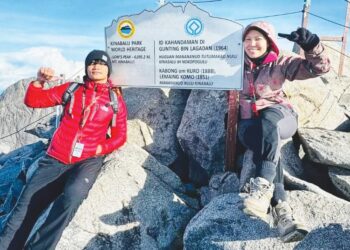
x=87, y=124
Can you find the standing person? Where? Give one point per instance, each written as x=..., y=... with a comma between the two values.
x=266, y=116
x=75, y=155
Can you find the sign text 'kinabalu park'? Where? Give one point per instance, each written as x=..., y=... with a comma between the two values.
x=176, y=47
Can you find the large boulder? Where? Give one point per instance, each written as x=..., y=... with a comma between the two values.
x=332, y=49
x=219, y=184
x=326, y=147
x=340, y=89
x=341, y=180
x=159, y=113
x=4, y=149
x=13, y=170
x=202, y=133
x=135, y=203
x=315, y=103
x=223, y=225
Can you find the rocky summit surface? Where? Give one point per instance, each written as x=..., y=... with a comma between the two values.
x=166, y=188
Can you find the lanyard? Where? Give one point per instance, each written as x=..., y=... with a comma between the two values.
x=87, y=108
x=252, y=95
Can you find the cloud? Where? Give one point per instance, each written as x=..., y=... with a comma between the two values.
x=22, y=64
x=28, y=38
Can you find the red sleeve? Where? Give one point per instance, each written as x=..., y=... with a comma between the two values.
x=118, y=133
x=38, y=97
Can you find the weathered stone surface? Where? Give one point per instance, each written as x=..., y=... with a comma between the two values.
x=219, y=184
x=4, y=149
x=160, y=111
x=294, y=183
x=13, y=168
x=315, y=104
x=290, y=159
x=136, y=203
x=341, y=180
x=14, y=115
x=326, y=147
x=332, y=49
x=139, y=133
x=340, y=89
x=201, y=133
x=45, y=129
x=222, y=225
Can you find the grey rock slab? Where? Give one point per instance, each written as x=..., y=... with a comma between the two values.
x=315, y=103
x=135, y=203
x=222, y=183
x=222, y=225
x=4, y=149
x=294, y=183
x=326, y=147
x=201, y=133
x=159, y=112
x=341, y=179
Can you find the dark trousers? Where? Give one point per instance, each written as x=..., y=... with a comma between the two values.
x=65, y=185
x=263, y=136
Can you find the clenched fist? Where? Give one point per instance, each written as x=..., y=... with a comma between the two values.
x=45, y=74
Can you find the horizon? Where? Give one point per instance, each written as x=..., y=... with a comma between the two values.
x=60, y=34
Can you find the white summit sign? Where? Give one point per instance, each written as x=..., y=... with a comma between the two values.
x=176, y=47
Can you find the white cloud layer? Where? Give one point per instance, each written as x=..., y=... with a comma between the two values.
x=25, y=63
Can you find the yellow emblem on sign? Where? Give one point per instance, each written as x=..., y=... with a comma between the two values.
x=126, y=28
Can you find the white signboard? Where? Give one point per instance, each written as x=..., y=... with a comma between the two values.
x=176, y=47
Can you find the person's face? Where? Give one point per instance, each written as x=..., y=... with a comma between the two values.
x=255, y=44
x=98, y=71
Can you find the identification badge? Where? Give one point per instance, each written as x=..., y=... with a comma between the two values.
x=78, y=149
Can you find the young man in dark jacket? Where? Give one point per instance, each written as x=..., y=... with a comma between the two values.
x=75, y=155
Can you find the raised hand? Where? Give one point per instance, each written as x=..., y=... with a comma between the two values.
x=45, y=74
x=303, y=37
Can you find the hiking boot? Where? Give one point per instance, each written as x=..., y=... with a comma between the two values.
x=258, y=201
x=288, y=228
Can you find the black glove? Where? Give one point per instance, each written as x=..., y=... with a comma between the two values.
x=303, y=37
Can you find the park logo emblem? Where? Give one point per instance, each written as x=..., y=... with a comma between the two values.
x=126, y=28
x=194, y=26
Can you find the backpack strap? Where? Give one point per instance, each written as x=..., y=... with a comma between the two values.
x=68, y=95
x=113, y=94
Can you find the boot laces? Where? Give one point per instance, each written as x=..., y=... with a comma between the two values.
x=285, y=216
x=257, y=189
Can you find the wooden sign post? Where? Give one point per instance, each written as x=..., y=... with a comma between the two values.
x=231, y=133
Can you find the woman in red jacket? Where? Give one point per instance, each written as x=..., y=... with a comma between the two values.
x=74, y=157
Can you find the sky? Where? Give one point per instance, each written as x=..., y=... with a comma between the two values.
x=59, y=34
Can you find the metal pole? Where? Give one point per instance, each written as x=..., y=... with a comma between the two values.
x=344, y=41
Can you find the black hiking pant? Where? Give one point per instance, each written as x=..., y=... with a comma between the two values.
x=64, y=185
x=263, y=136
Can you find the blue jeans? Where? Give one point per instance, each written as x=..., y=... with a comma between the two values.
x=263, y=136
x=65, y=185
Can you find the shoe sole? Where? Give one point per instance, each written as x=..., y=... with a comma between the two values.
x=296, y=235
x=256, y=211
x=257, y=214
